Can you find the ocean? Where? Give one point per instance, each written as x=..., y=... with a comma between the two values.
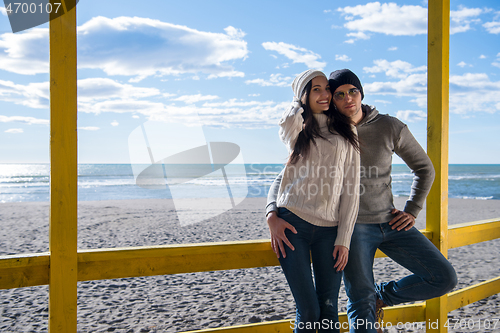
x=30, y=182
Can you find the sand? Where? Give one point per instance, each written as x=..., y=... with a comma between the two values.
x=184, y=302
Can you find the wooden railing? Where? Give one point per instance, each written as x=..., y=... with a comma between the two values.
x=63, y=265
x=18, y=271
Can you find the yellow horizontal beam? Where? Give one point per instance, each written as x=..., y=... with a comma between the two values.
x=469, y=295
x=405, y=313
x=265, y=327
x=33, y=269
x=24, y=270
x=473, y=232
x=173, y=259
x=393, y=315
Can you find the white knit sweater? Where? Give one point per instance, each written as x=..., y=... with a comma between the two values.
x=322, y=189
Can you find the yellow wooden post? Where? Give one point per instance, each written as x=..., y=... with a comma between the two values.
x=437, y=142
x=63, y=175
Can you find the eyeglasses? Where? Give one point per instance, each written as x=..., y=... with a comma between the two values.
x=340, y=95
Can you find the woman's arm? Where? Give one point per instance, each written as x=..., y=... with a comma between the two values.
x=291, y=124
x=349, y=199
x=272, y=196
x=277, y=226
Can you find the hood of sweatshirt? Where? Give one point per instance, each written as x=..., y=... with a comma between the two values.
x=370, y=113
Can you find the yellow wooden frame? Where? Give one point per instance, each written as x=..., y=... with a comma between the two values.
x=64, y=265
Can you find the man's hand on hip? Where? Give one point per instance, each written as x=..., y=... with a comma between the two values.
x=402, y=220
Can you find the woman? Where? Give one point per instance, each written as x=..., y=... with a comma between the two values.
x=319, y=198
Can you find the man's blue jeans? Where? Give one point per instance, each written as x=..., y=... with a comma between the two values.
x=433, y=275
x=316, y=302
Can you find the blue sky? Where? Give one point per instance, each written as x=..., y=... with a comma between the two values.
x=228, y=66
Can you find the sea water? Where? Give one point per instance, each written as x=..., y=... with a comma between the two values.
x=30, y=182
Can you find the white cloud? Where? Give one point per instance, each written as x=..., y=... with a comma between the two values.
x=482, y=56
x=326, y=11
x=93, y=89
x=405, y=20
x=169, y=49
x=497, y=62
x=235, y=103
x=253, y=95
x=372, y=17
x=233, y=113
x=412, y=81
x=343, y=57
x=99, y=95
x=191, y=99
x=381, y=101
x=33, y=95
x=277, y=80
x=25, y=53
x=411, y=116
x=355, y=36
x=115, y=123
x=24, y=120
x=414, y=85
x=392, y=48
x=14, y=130
x=234, y=32
x=492, y=27
x=471, y=92
x=398, y=69
x=3, y=11
x=88, y=128
x=462, y=64
x=296, y=54
x=474, y=92
x=462, y=19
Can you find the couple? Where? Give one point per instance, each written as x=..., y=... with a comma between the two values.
x=340, y=160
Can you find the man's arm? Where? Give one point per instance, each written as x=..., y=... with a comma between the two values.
x=420, y=164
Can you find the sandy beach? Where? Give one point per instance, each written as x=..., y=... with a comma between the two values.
x=184, y=302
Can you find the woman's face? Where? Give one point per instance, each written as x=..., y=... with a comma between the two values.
x=320, y=95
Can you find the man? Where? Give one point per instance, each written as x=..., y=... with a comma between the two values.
x=379, y=224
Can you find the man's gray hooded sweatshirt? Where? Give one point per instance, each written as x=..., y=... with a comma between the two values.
x=380, y=136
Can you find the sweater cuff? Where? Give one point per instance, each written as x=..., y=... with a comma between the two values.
x=412, y=208
x=271, y=207
x=343, y=240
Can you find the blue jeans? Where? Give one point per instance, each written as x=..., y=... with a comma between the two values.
x=316, y=302
x=433, y=275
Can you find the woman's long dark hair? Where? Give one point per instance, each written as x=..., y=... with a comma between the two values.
x=336, y=122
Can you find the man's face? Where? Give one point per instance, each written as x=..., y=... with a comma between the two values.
x=350, y=105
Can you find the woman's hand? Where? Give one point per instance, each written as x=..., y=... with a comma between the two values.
x=277, y=227
x=341, y=254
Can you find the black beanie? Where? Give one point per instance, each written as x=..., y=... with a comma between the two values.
x=344, y=76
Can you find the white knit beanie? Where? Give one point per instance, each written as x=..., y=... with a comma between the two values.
x=301, y=80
